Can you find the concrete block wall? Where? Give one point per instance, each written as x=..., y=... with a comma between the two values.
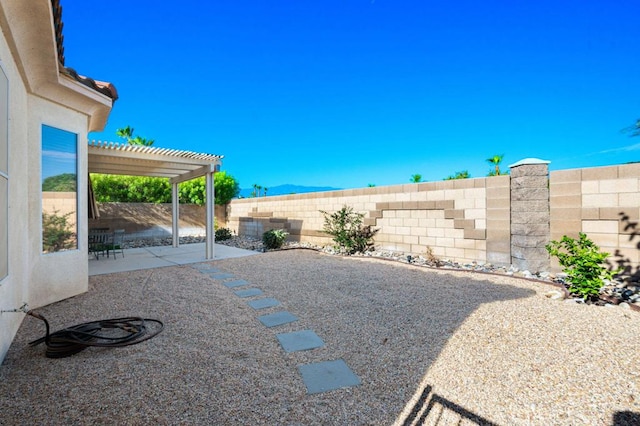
x=61, y=203
x=604, y=203
x=154, y=220
x=502, y=220
x=450, y=218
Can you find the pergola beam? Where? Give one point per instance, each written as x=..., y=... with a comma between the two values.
x=209, y=168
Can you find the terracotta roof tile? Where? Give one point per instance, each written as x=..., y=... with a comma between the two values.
x=106, y=88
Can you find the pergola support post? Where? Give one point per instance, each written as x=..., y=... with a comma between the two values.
x=175, y=214
x=210, y=215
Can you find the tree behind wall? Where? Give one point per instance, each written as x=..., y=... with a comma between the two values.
x=139, y=189
x=495, y=162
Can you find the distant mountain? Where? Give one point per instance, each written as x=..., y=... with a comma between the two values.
x=288, y=189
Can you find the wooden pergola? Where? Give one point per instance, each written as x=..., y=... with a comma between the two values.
x=177, y=165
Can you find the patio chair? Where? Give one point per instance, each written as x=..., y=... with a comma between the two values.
x=98, y=241
x=117, y=243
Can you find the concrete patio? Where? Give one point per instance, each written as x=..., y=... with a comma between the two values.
x=160, y=256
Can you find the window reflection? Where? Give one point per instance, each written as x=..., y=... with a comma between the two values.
x=59, y=190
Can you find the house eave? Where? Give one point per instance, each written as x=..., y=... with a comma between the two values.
x=31, y=37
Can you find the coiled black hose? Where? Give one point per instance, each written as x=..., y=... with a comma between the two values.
x=112, y=333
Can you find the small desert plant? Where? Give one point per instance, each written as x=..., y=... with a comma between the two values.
x=56, y=232
x=347, y=230
x=583, y=263
x=223, y=234
x=431, y=257
x=274, y=239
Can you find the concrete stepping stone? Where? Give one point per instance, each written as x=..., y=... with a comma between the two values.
x=267, y=302
x=248, y=292
x=205, y=269
x=236, y=283
x=219, y=276
x=299, y=341
x=327, y=376
x=277, y=318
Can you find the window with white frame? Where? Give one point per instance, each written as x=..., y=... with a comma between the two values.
x=59, y=190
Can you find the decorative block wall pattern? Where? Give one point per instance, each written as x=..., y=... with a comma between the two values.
x=447, y=217
x=604, y=203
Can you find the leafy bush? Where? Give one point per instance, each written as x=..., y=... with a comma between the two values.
x=583, y=263
x=56, y=232
x=347, y=230
x=223, y=234
x=274, y=239
x=139, y=189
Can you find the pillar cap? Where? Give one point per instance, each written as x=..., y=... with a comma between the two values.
x=528, y=161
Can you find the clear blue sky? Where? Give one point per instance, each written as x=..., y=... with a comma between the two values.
x=344, y=93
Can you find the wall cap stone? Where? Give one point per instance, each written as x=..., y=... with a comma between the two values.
x=528, y=161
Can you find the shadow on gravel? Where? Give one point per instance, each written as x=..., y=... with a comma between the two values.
x=388, y=323
x=626, y=418
x=432, y=408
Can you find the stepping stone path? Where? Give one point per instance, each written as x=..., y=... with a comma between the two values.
x=267, y=302
x=236, y=283
x=248, y=292
x=278, y=318
x=318, y=377
x=328, y=375
x=299, y=341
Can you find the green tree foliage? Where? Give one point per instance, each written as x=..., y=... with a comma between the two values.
x=417, y=178
x=127, y=134
x=65, y=182
x=138, y=189
x=495, y=162
x=464, y=174
x=130, y=189
x=227, y=187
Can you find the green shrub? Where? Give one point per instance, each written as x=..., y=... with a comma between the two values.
x=274, y=239
x=143, y=189
x=223, y=234
x=583, y=263
x=347, y=230
x=56, y=232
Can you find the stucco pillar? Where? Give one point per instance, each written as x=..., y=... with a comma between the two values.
x=530, y=214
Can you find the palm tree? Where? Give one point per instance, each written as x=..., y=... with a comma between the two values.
x=255, y=190
x=127, y=134
x=265, y=191
x=417, y=178
x=259, y=188
x=495, y=161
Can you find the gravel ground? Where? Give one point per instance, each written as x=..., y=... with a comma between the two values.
x=433, y=347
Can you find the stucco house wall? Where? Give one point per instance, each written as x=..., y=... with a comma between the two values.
x=40, y=93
